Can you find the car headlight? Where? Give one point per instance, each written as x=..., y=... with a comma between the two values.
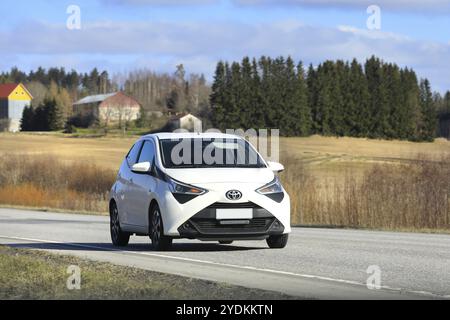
x=178, y=187
x=272, y=187
x=273, y=190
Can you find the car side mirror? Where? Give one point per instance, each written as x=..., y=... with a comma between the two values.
x=275, y=166
x=142, y=167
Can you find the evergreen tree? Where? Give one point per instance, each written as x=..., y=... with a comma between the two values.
x=446, y=102
x=246, y=100
x=55, y=115
x=28, y=118
x=378, y=103
x=217, y=98
x=324, y=98
x=394, y=101
x=311, y=83
x=41, y=116
x=409, y=113
x=266, y=89
x=302, y=116
x=234, y=96
x=357, y=114
x=339, y=82
x=429, y=119
x=257, y=114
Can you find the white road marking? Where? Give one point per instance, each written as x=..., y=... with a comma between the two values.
x=349, y=282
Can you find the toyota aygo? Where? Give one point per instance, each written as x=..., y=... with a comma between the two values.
x=205, y=186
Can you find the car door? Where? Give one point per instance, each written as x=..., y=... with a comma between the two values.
x=126, y=198
x=142, y=187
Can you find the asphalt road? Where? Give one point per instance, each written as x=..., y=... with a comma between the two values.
x=317, y=263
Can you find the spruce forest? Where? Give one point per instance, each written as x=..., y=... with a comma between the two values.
x=373, y=99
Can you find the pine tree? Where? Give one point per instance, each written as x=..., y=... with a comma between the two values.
x=28, y=118
x=338, y=80
x=234, y=96
x=257, y=113
x=446, y=102
x=311, y=83
x=409, y=113
x=267, y=108
x=324, y=98
x=289, y=109
x=246, y=95
x=357, y=114
x=378, y=104
x=394, y=102
x=41, y=116
x=429, y=119
x=217, y=98
x=303, y=115
x=55, y=115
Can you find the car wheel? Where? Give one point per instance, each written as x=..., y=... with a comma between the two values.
x=159, y=241
x=118, y=237
x=225, y=242
x=277, y=242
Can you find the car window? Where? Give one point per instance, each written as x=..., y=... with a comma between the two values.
x=133, y=154
x=220, y=153
x=147, y=153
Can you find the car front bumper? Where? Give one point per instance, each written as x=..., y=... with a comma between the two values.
x=197, y=218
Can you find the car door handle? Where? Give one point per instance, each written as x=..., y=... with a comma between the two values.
x=131, y=180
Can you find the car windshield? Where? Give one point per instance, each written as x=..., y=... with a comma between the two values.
x=209, y=153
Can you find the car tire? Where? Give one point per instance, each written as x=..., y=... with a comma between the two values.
x=277, y=242
x=160, y=242
x=225, y=242
x=119, y=238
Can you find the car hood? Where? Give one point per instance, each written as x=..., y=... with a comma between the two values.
x=222, y=175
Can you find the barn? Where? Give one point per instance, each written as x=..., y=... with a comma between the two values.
x=13, y=99
x=109, y=108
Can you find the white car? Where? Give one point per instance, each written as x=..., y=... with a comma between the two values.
x=206, y=186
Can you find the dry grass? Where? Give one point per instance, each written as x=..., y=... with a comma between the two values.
x=44, y=181
x=332, y=181
x=326, y=155
x=105, y=152
x=407, y=196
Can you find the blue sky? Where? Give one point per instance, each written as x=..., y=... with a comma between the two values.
x=121, y=35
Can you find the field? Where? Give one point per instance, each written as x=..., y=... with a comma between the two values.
x=321, y=154
x=332, y=181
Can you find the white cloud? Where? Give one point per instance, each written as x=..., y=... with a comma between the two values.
x=161, y=45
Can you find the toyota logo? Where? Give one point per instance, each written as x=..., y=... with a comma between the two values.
x=234, y=195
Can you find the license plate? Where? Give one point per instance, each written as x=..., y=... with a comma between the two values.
x=224, y=214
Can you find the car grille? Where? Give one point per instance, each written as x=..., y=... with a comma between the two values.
x=230, y=205
x=213, y=226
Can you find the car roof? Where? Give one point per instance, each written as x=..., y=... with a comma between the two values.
x=192, y=135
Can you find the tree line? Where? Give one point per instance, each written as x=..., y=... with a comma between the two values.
x=340, y=98
x=56, y=88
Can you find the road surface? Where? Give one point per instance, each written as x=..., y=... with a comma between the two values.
x=317, y=263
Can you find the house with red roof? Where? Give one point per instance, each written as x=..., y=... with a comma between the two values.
x=109, y=108
x=13, y=99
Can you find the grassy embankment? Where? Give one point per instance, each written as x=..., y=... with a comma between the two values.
x=33, y=275
x=394, y=185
